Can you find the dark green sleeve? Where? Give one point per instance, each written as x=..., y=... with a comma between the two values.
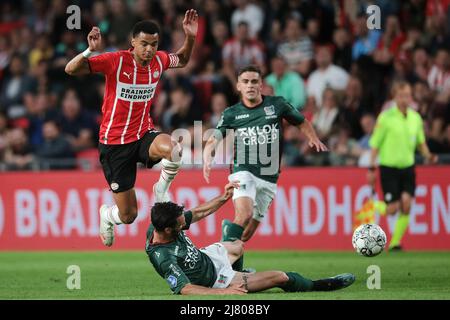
x=188, y=218
x=173, y=274
x=291, y=114
x=222, y=126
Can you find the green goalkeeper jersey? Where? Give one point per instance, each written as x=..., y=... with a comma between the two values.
x=258, y=135
x=180, y=262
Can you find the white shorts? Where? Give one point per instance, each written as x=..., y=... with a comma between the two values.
x=260, y=191
x=219, y=256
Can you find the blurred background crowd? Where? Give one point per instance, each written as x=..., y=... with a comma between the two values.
x=318, y=54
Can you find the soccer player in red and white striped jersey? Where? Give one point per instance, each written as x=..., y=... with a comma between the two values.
x=127, y=134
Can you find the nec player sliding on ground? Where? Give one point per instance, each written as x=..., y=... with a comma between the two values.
x=127, y=135
x=189, y=270
x=256, y=123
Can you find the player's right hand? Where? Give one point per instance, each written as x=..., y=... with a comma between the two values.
x=206, y=170
x=229, y=189
x=94, y=39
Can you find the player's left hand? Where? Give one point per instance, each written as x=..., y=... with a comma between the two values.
x=229, y=189
x=316, y=143
x=190, y=23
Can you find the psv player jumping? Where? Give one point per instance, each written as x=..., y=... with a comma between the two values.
x=127, y=134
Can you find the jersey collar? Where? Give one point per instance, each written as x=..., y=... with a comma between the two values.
x=257, y=106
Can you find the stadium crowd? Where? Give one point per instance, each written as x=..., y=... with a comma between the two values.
x=319, y=55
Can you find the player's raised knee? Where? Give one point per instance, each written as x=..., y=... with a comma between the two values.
x=129, y=216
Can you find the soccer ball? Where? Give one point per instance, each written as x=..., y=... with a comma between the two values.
x=369, y=240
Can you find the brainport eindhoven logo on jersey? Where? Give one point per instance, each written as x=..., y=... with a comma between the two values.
x=135, y=92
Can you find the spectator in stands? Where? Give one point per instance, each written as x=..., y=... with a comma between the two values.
x=326, y=75
x=14, y=87
x=122, y=20
x=250, y=13
x=19, y=154
x=390, y=42
x=43, y=50
x=342, y=56
x=327, y=116
x=100, y=17
x=38, y=111
x=423, y=97
x=439, y=76
x=367, y=125
x=352, y=107
x=220, y=36
x=297, y=49
x=218, y=104
x=367, y=40
x=241, y=51
x=285, y=83
x=3, y=135
x=55, y=152
x=446, y=142
x=76, y=123
x=181, y=111
x=421, y=63
x=344, y=149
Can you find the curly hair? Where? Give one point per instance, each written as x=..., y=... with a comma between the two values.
x=165, y=214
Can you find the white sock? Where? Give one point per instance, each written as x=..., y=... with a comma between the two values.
x=112, y=215
x=168, y=172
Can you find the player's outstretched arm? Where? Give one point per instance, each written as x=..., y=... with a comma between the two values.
x=314, y=142
x=200, y=290
x=190, y=27
x=204, y=210
x=79, y=65
x=208, y=157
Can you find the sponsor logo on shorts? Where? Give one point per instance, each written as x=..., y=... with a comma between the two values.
x=114, y=186
x=172, y=280
x=388, y=196
x=222, y=279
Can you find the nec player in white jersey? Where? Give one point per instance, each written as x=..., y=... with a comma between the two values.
x=127, y=135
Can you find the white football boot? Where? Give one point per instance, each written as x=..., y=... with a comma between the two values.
x=106, y=227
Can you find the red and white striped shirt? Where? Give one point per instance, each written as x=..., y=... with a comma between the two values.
x=129, y=92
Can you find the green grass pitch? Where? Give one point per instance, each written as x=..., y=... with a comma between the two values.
x=129, y=275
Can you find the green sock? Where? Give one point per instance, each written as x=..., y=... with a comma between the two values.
x=230, y=232
x=297, y=283
x=400, y=228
